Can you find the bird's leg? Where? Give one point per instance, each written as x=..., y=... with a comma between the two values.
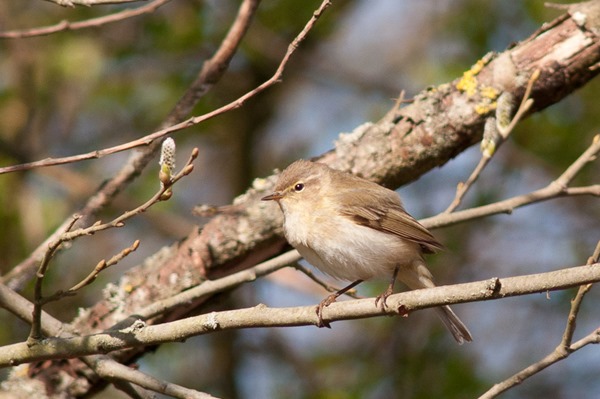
x=331, y=299
x=389, y=291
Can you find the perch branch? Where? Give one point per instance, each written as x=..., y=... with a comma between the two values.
x=139, y=334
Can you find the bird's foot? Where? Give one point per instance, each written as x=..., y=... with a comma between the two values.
x=319, y=310
x=381, y=299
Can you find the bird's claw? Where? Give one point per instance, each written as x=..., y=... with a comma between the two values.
x=319, y=310
x=383, y=298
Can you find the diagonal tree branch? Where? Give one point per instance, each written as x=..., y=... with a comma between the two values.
x=94, y=22
x=211, y=72
x=557, y=188
x=498, y=128
x=562, y=351
x=88, y=3
x=105, y=367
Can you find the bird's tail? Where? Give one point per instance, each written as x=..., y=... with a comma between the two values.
x=457, y=328
x=417, y=276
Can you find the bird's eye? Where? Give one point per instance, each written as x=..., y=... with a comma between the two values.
x=299, y=187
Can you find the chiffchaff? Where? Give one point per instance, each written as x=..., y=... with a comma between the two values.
x=354, y=229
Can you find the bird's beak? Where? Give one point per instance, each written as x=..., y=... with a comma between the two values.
x=276, y=196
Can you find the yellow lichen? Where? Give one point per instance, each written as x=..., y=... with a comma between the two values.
x=468, y=82
x=485, y=107
x=489, y=92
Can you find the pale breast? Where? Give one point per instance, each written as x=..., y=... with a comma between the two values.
x=341, y=248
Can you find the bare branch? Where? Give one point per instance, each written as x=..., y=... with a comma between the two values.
x=556, y=356
x=562, y=351
x=20, y=274
x=215, y=67
x=102, y=265
x=138, y=334
x=88, y=3
x=115, y=372
x=500, y=133
x=146, y=140
x=329, y=288
x=40, y=300
x=576, y=304
x=103, y=365
x=557, y=188
x=211, y=287
x=588, y=156
x=94, y=22
x=36, y=326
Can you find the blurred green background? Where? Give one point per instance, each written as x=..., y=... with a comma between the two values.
x=74, y=92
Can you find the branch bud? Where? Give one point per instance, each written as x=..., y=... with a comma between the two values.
x=505, y=109
x=490, y=139
x=167, y=161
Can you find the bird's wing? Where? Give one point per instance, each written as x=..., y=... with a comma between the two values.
x=386, y=213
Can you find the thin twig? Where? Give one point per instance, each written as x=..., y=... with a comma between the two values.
x=68, y=235
x=36, y=325
x=576, y=304
x=562, y=351
x=329, y=288
x=507, y=206
x=100, y=266
x=94, y=22
x=214, y=68
x=146, y=140
x=557, y=188
x=88, y=3
x=589, y=155
x=19, y=275
x=552, y=358
x=118, y=221
x=211, y=287
x=502, y=135
x=115, y=372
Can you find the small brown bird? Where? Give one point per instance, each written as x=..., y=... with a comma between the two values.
x=353, y=229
